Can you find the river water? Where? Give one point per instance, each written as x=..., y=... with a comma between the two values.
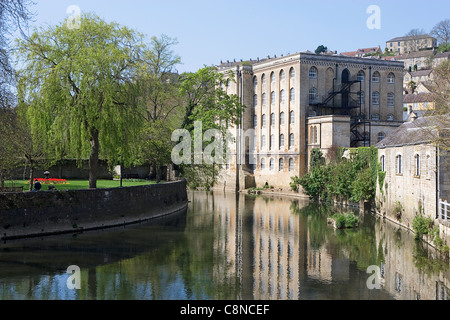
x=227, y=246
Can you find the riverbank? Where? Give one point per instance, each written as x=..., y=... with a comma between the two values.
x=36, y=214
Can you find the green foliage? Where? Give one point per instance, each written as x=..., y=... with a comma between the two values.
x=321, y=49
x=348, y=220
x=422, y=226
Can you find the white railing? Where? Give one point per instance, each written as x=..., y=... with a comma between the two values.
x=444, y=210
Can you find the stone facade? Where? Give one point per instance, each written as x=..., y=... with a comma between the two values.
x=408, y=44
x=286, y=96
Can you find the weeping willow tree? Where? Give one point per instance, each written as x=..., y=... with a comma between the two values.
x=79, y=84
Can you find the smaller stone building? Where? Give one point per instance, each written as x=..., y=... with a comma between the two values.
x=416, y=172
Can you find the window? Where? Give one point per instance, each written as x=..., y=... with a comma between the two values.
x=312, y=95
x=272, y=98
x=313, y=73
x=291, y=140
x=272, y=164
x=375, y=117
x=375, y=98
x=255, y=121
x=313, y=134
x=272, y=119
x=282, y=75
x=376, y=77
x=281, y=164
x=291, y=165
x=383, y=163
x=361, y=76
x=398, y=164
x=281, y=141
x=292, y=117
x=272, y=77
x=391, y=78
x=381, y=136
x=263, y=164
x=428, y=167
x=390, y=117
x=390, y=99
x=417, y=165
x=292, y=94
x=263, y=120
x=255, y=83
x=272, y=142
x=292, y=74
x=263, y=141
x=361, y=97
x=255, y=100
x=263, y=78
x=282, y=96
x=282, y=119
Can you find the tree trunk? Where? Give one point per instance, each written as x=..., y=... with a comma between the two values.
x=158, y=173
x=31, y=176
x=93, y=159
x=2, y=178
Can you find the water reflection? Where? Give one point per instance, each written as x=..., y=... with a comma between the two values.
x=228, y=247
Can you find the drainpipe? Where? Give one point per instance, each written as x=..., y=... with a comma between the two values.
x=438, y=191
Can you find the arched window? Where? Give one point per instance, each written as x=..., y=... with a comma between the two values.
x=255, y=83
x=292, y=94
x=264, y=99
x=361, y=76
x=263, y=120
x=255, y=121
x=428, y=167
x=390, y=99
x=312, y=95
x=272, y=142
x=375, y=98
x=292, y=74
x=417, y=165
x=282, y=75
x=272, y=119
x=272, y=164
x=281, y=118
x=272, y=98
x=381, y=136
x=281, y=140
x=391, y=78
x=398, y=164
x=282, y=96
x=376, y=77
x=255, y=100
x=292, y=117
x=383, y=163
x=281, y=164
x=291, y=140
x=313, y=73
x=263, y=142
x=291, y=164
x=272, y=77
x=263, y=79
x=263, y=164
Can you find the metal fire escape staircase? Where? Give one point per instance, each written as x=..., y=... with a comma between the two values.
x=348, y=106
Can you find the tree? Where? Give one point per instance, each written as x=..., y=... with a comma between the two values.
x=441, y=31
x=14, y=14
x=206, y=101
x=79, y=84
x=321, y=49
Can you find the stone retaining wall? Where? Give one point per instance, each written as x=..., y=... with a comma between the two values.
x=32, y=214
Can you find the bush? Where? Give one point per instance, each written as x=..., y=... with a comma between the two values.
x=422, y=226
x=343, y=221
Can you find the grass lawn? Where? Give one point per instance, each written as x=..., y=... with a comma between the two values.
x=83, y=184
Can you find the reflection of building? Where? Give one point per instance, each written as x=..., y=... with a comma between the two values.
x=304, y=101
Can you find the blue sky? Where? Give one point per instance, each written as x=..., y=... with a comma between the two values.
x=209, y=31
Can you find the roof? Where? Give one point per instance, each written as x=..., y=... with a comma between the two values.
x=442, y=55
x=415, y=54
x=349, y=54
x=421, y=73
x=420, y=36
x=417, y=98
x=416, y=132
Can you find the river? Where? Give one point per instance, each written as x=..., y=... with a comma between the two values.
x=228, y=247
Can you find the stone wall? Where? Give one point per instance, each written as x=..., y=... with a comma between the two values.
x=43, y=213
